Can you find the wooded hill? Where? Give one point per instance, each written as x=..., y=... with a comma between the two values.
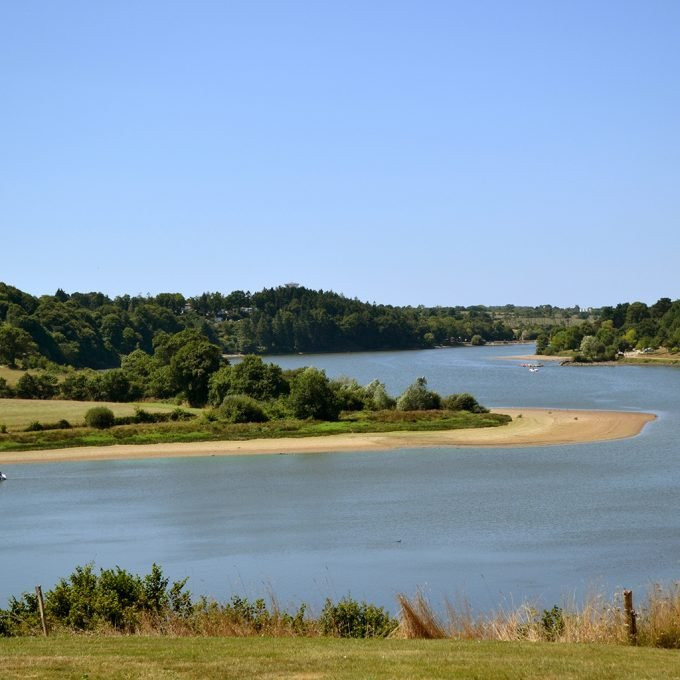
x=93, y=330
x=616, y=330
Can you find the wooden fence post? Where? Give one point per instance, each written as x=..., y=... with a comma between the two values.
x=41, y=607
x=631, y=616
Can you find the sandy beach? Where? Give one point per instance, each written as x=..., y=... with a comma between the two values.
x=535, y=427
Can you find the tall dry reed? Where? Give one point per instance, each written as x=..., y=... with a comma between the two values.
x=595, y=620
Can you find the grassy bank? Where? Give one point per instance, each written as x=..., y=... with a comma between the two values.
x=113, y=624
x=152, y=657
x=201, y=429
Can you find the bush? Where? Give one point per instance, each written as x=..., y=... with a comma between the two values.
x=311, y=396
x=86, y=600
x=351, y=619
x=552, y=623
x=38, y=386
x=463, y=402
x=350, y=395
x=377, y=398
x=417, y=397
x=142, y=416
x=100, y=417
x=180, y=414
x=6, y=390
x=238, y=408
x=37, y=426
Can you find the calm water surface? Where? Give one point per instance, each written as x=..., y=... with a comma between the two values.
x=495, y=525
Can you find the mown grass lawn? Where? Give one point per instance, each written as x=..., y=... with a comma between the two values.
x=97, y=658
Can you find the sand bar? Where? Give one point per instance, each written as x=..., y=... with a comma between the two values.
x=536, y=427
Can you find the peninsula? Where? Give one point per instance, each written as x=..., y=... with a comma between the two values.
x=529, y=427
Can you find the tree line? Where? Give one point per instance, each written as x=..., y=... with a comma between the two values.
x=619, y=329
x=91, y=330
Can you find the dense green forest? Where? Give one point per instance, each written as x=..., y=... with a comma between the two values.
x=617, y=330
x=92, y=330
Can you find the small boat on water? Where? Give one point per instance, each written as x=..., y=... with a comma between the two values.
x=534, y=369
x=539, y=365
x=3, y=477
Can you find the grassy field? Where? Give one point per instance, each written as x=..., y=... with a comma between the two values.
x=11, y=375
x=97, y=658
x=16, y=414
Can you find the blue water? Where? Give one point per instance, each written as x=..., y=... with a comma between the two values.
x=494, y=525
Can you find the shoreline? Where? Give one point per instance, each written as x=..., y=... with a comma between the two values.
x=535, y=427
x=535, y=357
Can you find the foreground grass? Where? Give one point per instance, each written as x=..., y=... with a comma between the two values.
x=17, y=414
x=202, y=430
x=97, y=658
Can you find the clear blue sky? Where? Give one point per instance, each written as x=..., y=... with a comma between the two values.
x=434, y=152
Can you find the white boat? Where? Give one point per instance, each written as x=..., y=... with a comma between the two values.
x=534, y=369
x=3, y=477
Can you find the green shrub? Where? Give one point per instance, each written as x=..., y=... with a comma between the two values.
x=238, y=408
x=6, y=390
x=37, y=386
x=179, y=414
x=311, y=396
x=3, y=428
x=377, y=398
x=417, y=397
x=142, y=416
x=86, y=600
x=100, y=417
x=35, y=426
x=351, y=619
x=241, y=610
x=350, y=395
x=552, y=623
x=463, y=402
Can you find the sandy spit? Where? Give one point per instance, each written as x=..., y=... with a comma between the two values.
x=536, y=427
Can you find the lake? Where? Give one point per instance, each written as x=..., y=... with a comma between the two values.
x=494, y=525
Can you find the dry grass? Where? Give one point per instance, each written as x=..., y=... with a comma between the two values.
x=595, y=621
x=11, y=375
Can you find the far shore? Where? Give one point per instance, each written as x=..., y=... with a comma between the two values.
x=536, y=357
x=529, y=427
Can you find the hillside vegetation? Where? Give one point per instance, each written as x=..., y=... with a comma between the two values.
x=95, y=331
x=617, y=331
